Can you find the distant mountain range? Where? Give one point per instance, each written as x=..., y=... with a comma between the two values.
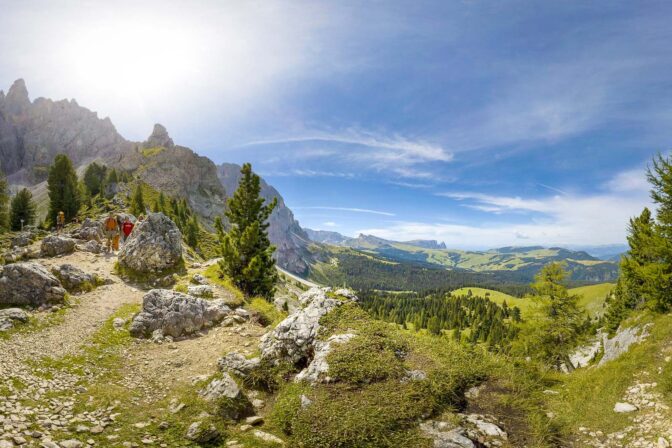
x=525, y=261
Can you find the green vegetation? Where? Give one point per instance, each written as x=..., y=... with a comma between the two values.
x=215, y=276
x=646, y=269
x=138, y=207
x=368, y=405
x=593, y=298
x=471, y=318
x=23, y=210
x=64, y=194
x=265, y=312
x=247, y=254
x=362, y=271
x=94, y=179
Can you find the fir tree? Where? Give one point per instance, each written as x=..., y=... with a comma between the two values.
x=219, y=227
x=94, y=178
x=63, y=187
x=247, y=254
x=23, y=210
x=191, y=233
x=4, y=201
x=138, y=201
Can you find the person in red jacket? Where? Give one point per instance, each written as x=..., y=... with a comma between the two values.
x=126, y=228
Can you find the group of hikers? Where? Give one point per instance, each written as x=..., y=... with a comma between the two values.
x=116, y=229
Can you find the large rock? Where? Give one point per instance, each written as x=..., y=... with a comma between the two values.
x=230, y=400
x=90, y=230
x=55, y=245
x=154, y=246
x=621, y=342
x=202, y=433
x=238, y=364
x=294, y=338
x=74, y=279
x=29, y=283
x=10, y=316
x=176, y=314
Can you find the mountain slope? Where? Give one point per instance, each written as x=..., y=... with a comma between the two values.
x=523, y=261
x=33, y=133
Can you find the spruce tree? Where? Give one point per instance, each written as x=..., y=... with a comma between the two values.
x=22, y=210
x=138, y=201
x=94, y=178
x=247, y=254
x=63, y=187
x=191, y=234
x=4, y=201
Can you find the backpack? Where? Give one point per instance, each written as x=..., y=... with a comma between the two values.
x=110, y=224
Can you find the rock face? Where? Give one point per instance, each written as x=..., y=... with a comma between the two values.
x=10, y=316
x=621, y=342
x=176, y=314
x=30, y=284
x=293, y=339
x=154, y=246
x=231, y=401
x=159, y=138
x=90, y=230
x=284, y=231
x=32, y=133
x=55, y=245
x=74, y=279
x=238, y=364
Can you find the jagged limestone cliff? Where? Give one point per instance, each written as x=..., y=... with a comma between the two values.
x=32, y=133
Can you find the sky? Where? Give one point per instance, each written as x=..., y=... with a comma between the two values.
x=477, y=123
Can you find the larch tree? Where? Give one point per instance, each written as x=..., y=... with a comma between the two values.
x=22, y=211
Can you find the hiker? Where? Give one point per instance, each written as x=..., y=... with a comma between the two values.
x=126, y=228
x=60, y=222
x=112, y=233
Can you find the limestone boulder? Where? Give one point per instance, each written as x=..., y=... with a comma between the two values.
x=30, y=284
x=154, y=246
x=55, y=245
x=176, y=314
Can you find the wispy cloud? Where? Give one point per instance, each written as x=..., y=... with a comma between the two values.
x=347, y=209
x=563, y=219
x=330, y=224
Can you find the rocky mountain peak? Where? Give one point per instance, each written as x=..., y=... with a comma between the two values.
x=17, y=99
x=160, y=137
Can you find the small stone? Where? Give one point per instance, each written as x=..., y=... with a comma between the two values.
x=266, y=437
x=97, y=429
x=164, y=425
x=255, y=420
x=72, y=443
x=623, y=408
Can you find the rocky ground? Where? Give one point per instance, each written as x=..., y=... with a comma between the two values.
x=53, y=377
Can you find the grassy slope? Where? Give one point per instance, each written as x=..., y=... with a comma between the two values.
x=592, y=297
x=587, y=396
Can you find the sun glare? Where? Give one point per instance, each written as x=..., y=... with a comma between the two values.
x=133, y=58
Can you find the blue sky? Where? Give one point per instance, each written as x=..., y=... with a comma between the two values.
x=478, y=123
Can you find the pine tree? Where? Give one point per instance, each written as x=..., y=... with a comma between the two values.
x=191, y=234
x=138, y=201
x=94, y=178
x=63, y=187
x=434, y=326
x=23, y=210
x=4, y=200
x=247, y=254
x=219, y=227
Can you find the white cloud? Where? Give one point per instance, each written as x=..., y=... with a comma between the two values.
x=347, y=209
x=394, y=154
x=594, y=219
x=330, y=224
